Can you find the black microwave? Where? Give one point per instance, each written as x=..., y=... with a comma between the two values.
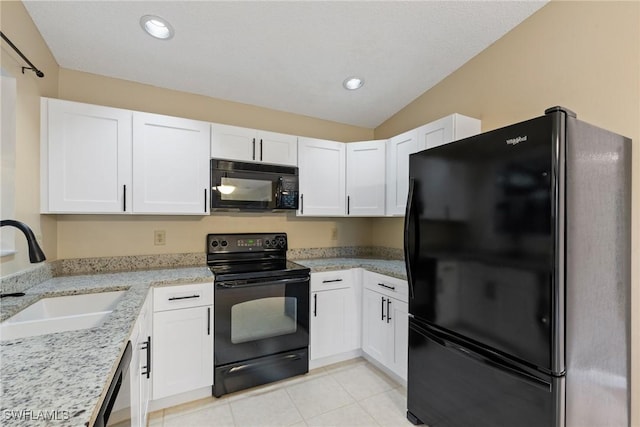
x=253, y=186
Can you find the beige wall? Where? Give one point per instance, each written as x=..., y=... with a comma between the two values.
x=95, y=89
x=18, y=27
x=581, y=55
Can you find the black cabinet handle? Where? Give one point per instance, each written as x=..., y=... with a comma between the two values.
x=124, y=198
x=253, y=157
x=205, y=200
x=147, y=347
x=382, y=309
x=179, y=298
x=302, y=204
x=260, y=149
x=388, y=310
x=348, y=205
x=208, y=320
x=332, y=281
x=393, y=288
x=315, y=305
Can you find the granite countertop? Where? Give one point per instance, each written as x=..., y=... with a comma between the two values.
x=392, y=268
x=69, y=372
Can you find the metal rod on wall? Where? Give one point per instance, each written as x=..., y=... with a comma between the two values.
x=32, y=67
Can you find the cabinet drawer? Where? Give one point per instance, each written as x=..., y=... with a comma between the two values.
x=327, y=280
x=182, y=296
x=389, y=286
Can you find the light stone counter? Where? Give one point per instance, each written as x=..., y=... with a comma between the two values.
x=65, y=375
x=392, y=268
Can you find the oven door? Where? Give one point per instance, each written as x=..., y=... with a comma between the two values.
x=255, y=318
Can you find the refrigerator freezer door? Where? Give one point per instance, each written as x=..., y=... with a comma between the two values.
x=451, y=386
x=480, y=240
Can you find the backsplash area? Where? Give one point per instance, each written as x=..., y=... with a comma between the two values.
x=23, y=280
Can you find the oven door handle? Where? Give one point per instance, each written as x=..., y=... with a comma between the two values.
x=245, y=284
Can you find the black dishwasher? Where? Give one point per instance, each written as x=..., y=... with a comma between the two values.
x=114, y=388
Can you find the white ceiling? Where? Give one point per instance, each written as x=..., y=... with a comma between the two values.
x=290, y=55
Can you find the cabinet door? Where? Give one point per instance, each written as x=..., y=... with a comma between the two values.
x=277, y=148
x=366, y=178
x=435, y=133
x=233, y=143
x=398, y=337
x=170, y=165
x=398, y=150
x=328, y=334
x=447, y=129
x=182, y=350
x=145, y=320
x=322, y=177
x=374, y=326
x=86, y=153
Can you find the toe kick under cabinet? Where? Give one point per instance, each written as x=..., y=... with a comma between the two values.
x=182, y=339
x=385, y=321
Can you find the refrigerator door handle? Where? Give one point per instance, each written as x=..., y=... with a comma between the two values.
x=409, y=227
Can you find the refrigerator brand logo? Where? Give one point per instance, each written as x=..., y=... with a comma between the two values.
x=514, y=141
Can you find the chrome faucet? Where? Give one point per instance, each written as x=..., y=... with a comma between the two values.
x=35, y=252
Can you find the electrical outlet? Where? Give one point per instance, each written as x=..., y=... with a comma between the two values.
x=334, y=233
x=159, y=237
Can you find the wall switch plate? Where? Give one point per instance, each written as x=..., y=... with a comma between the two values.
x=159, y=237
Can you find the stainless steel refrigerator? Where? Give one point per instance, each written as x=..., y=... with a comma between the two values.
x=517, y=245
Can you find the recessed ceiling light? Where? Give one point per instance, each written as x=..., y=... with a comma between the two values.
x=353, y=83
x=156, y=27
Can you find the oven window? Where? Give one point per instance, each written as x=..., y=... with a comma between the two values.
x=263, y=318
x=248, y=190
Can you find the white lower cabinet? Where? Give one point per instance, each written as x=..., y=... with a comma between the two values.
x=132, y=402
x=334, y=314
x=385, y=322
x=182, y=339
x=140, y=367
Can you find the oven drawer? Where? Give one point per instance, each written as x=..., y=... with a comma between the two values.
x=182, y=296
x=326, y=280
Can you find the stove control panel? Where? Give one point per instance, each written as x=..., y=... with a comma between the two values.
x=256, y=242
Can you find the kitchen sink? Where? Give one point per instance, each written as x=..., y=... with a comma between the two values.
x=58, y=314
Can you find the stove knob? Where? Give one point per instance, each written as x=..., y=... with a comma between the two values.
x=267, y=243
x=282, y=243
x=224, y=243
x=214, y=244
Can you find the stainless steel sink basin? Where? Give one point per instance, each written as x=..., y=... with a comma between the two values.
x=58, y=314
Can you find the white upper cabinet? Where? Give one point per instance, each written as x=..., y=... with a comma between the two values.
x=170, y=165
x=277, y=148
x=447, y=129
x=251, y=145
x=322, y=177
x=366, y=178
x=102, y=160
x=398, y=150
x=85, y=158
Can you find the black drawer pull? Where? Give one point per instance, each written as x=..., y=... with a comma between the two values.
x=179, y=298
x=332, y=281
x=393, y=288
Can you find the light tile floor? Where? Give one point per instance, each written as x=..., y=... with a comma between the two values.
x=352, y=393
